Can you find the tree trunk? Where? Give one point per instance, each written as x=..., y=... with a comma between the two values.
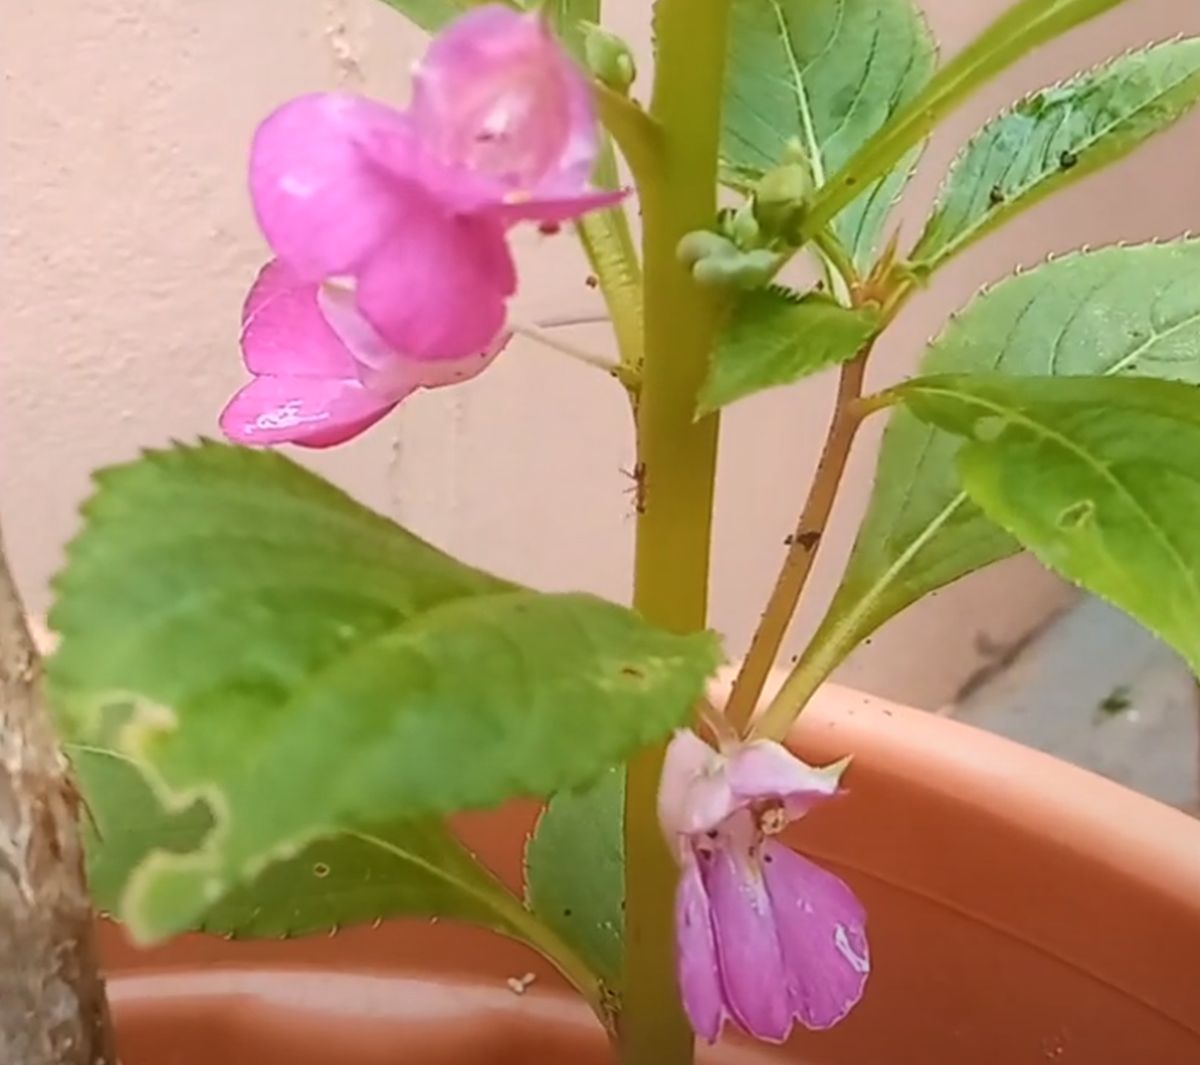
x=52, y=1005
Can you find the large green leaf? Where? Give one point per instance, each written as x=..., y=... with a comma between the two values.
x=775, y=337
x=575, y=871
x=1099, y=477
x=827, y=74
x=257, y=640
x=1056, y=136
x=408, y=868
x=1117, y=310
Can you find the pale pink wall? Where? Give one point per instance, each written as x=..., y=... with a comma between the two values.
x=128, y=243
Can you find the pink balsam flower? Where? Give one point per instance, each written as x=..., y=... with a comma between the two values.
x=390, y=227
x=763, y=936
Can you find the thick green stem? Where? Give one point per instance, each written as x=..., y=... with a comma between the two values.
x=677, y=456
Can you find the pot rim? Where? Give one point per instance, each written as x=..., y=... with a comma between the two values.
x=1008, y=782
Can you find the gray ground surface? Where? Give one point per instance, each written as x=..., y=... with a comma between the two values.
x=1094, y=688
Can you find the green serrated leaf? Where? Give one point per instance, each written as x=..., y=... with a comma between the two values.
x=257, y=640
x=408, y=868
x=1113, y=311
x=1099, y=477
x=1016, y=31
x=125, y=821
x=575, y=872
x=827, y=74
x=775, y=337
x=401, y=869
x=1055, y=137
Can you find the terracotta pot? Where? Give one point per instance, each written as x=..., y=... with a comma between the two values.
x=1021, y=911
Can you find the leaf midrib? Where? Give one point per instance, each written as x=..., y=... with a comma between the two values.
x=474, y=891
x=816, y=159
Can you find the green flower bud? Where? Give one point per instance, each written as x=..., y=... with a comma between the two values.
x=741, y=270
x=744, y=227
x=781, y=197
x=714, y=272
x=608, y=58
x=704, y=244
x=756, y=268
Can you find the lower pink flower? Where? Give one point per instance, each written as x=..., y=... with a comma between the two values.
x=321, y=374
x=763, y=936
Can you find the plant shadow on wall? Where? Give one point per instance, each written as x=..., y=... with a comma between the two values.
x=277, y=679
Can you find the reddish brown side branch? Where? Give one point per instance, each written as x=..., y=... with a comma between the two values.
x=52, y=1005
x=803, y=544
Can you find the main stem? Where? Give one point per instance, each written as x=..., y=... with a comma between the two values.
x=677, y=457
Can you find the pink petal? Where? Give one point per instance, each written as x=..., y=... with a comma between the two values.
x=822, y=930
x=310, y=411
x=322, y=201
x=437, y=290
x=693, y=794
x=285, y=332
x=697, y=970
x=437, y=373
x=764, y=769
x=383, y=369
x=752, y=965
x=497, y=94
x=338, y=306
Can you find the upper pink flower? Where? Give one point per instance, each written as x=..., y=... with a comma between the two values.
x=412, y=207
x=508, y=119
x=392, y=266
x=762, y=935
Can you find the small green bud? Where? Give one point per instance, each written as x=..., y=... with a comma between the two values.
x=756, y=268
x=784, y=184
x=704, y=244
x=793, y=152
x=714, y=272
x=780, y=197
x=741, y=270
x=744, y=228
x=608, y=58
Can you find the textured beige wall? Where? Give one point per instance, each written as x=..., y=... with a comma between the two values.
x=128, y=244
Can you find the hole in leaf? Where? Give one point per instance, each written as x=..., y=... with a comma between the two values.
x=320, y=870
x=1077, y=514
